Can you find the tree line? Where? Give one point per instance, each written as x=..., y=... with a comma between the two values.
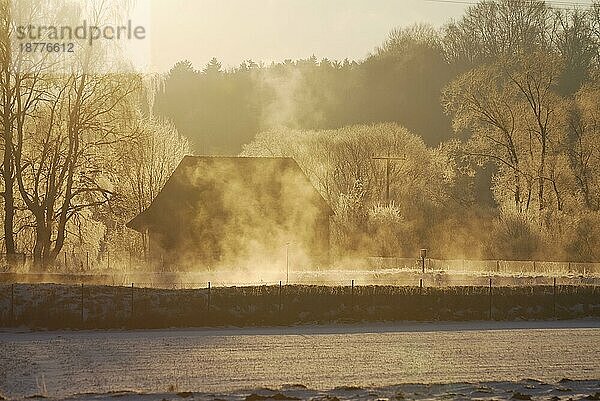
x=516, y=176
x=399, y=81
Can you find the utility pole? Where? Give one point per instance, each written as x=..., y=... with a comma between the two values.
x=388, y=159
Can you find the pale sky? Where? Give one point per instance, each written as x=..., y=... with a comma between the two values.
x=275, y=30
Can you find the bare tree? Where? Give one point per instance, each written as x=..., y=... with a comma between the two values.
x=479, y=105
x=514, y=116
x=573, y=39
x=65, y=164
x=584, y=145
x=535, y=79
x=21, y=91
x=495, y=29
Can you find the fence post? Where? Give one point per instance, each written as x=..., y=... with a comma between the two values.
x=554, y=298
x=12, y=302
x=81, y=302
x=115, y=301
x=131, y=301
x=280, y=299
x=208, y=300
x=490, y=292
x=352, y=294
x=420, y=286
x=87, y=261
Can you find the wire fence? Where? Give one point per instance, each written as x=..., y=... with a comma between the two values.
x=190, y=304
x=106, y=290
x=531, y=267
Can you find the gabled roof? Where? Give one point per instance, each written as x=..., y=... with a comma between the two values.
x=202, y=173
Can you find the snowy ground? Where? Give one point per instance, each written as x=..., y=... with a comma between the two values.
x=329, y=277
x=483, y=360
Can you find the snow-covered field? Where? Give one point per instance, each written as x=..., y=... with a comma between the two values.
x=471, y=360
x=329, y=277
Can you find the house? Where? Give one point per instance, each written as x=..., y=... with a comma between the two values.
x=230, y=210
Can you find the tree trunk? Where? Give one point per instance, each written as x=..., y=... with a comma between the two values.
x=542, y=171
x=42, y=255
x=8, y=98
x=9, y=217
x=9, y=185
x=38, y=249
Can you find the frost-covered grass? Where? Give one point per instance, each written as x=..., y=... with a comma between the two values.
x=436, y=275
x=472, y=360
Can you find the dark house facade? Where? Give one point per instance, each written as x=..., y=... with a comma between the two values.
x=227, y=210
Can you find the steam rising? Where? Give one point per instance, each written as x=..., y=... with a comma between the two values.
x=240, y=214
